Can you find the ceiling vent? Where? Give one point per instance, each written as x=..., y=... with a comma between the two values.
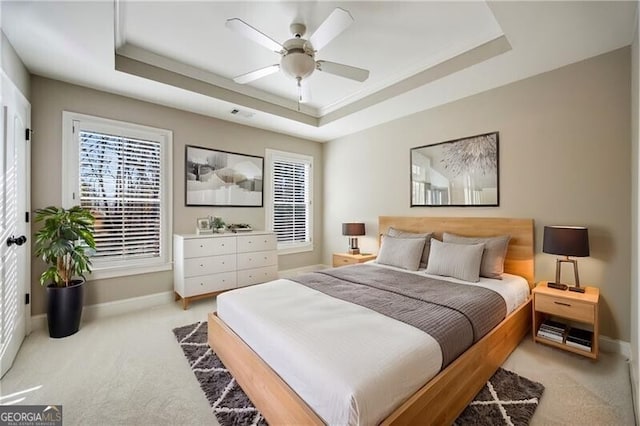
x=240, y=113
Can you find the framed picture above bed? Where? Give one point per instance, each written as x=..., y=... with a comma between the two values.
x=458, y=173
x=222, y=179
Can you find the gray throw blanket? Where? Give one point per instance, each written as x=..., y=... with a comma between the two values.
x=456, y=315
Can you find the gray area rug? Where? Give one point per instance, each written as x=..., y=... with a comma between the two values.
x=506, y=399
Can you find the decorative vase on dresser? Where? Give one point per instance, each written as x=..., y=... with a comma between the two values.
x=206, y=265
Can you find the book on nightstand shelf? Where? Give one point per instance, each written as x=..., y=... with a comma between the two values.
x=552, y=330
x=579, y=338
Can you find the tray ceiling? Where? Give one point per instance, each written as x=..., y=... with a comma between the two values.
x=420, y=54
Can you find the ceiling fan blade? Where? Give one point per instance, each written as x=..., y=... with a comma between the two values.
x=342, y=70
x=246, y=30
x=254, y=75
x=337, y=22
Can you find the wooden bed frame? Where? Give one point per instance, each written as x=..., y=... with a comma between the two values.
x=443, y=398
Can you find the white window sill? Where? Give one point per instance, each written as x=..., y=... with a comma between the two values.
x=295, y=249
x=99, y=273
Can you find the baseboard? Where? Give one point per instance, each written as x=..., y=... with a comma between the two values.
x=607, y=344
x=633, y=376
x=296, y=271
x=109, y=309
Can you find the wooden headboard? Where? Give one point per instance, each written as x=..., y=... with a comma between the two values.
x=519, y=260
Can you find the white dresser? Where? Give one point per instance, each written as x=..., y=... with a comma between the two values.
x=206, y=265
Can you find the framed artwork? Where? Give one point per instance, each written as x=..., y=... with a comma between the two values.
x=457, y=173
x=222, y=179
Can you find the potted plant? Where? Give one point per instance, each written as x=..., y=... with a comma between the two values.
x=217, y=224
x=64, y=242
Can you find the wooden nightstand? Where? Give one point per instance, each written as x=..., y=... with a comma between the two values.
x=579, y=310
x=341, y=259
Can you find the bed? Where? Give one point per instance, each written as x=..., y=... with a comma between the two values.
x=438, y=401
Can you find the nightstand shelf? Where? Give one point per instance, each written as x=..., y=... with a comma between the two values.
x=579, y=310
x=342, y=259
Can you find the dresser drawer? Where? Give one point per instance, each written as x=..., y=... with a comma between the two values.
x=257, y=275
x=209, y=265
x=209, y=283
x=249, y=243
x=257, y=259
x=200, y=247
x=572, y=309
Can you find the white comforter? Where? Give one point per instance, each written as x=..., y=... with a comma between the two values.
x=350, y=364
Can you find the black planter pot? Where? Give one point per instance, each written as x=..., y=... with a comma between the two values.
x=64, y=308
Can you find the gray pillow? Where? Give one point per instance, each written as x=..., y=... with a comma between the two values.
x=460, y=261
x=495, y=250
x=401, y=252
x=427, y=244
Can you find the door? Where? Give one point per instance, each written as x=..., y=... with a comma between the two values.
x=14, y=226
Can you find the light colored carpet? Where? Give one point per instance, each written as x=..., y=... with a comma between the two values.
x=128, y=370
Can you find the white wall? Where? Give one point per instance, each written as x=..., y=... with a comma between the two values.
x=564, y=159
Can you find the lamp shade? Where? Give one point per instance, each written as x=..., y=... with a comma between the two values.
x=353, y=229
x=566, y=241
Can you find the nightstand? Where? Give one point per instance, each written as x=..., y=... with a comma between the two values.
x=341, y=259
x=577, y=310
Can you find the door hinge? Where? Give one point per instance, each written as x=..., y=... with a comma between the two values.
x=27, y=134
x=26, y=299
x=26, y=217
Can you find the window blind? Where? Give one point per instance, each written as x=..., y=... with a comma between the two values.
x=291, y=200
x=120, y=180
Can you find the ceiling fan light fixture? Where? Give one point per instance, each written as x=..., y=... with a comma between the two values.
x=299, y=60
x=298, y=65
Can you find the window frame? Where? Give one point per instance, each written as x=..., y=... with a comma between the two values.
x=272, y=155
x=71, y=123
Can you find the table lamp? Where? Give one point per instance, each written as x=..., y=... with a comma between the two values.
x=352, y=230
x=566, y=241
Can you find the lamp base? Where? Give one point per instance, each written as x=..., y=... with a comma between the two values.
x=354, y=251
x=577, y=289
x=557, y=286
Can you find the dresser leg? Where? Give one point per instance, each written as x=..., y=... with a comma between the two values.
x=185, y=303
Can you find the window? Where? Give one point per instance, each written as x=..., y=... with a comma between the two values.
x=122, y=173
x=289, y=197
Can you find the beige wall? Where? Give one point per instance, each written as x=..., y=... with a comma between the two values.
x=564, y=159
x=14, y=68
x=50, y=98
x=635, y=209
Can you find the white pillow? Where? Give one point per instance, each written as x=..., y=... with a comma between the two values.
x=427, y=238
x=495, y=250
x=460, y=261
x=403, y=253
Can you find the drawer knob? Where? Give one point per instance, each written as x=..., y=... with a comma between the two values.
x=561, y=303
x=201, y=246
x=201, y=265
x=201, y=283
x=223, y=263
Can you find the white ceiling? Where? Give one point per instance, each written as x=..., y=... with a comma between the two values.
x=420, y=54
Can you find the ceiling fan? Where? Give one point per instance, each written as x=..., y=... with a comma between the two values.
x=298, y=54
